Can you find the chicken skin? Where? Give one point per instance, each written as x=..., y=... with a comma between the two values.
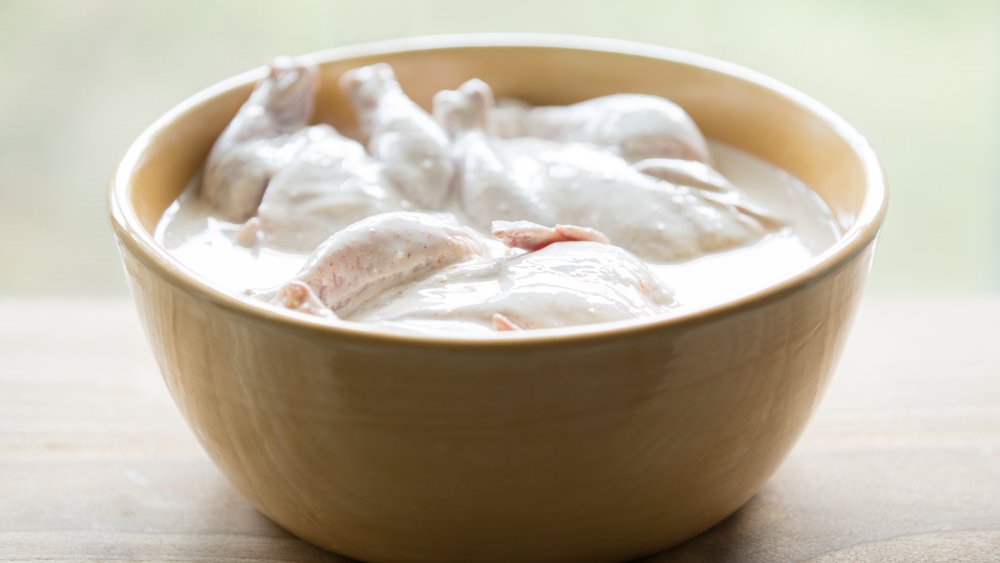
x=330, y=184
x=548, y=182
x=562, y=284
x=376, y=253
x=638, y=126
x=409, y=143
x=408, y=265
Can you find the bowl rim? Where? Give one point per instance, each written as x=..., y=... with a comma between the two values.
x=130, y=231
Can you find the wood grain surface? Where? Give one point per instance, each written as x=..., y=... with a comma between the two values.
x=901, y=463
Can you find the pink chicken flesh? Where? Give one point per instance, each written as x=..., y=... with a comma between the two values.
x=376, y=253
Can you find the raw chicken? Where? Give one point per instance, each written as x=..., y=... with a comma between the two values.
x=376, y=253
x=330, y=184
x=623, y=179
x=426, y=266
x=488, y=189
x=264, y=135
x=563, y=284
x=501, y=323
x=656, y=220
x=411, y=145
x=298, y=296
x=532, y=236
x=639, y=126
x=549, y=182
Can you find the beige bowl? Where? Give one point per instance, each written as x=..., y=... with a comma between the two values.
x=601, y=442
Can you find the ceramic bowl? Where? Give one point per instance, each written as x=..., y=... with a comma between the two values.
x=601, y=442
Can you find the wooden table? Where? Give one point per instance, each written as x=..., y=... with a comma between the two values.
x=901, y=463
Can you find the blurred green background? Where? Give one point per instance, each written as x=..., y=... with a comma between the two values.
x=79, y=80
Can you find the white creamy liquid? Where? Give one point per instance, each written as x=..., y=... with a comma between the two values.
x=207, y=246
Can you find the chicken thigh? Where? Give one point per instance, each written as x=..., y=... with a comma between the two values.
x=550, y=182
x=411, y=145
x=638, y=126
x=330, y=184
x=374, y=254
x=265, y=134
x=654, y=219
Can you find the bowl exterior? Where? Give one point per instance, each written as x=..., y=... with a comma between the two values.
x=603, y=449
